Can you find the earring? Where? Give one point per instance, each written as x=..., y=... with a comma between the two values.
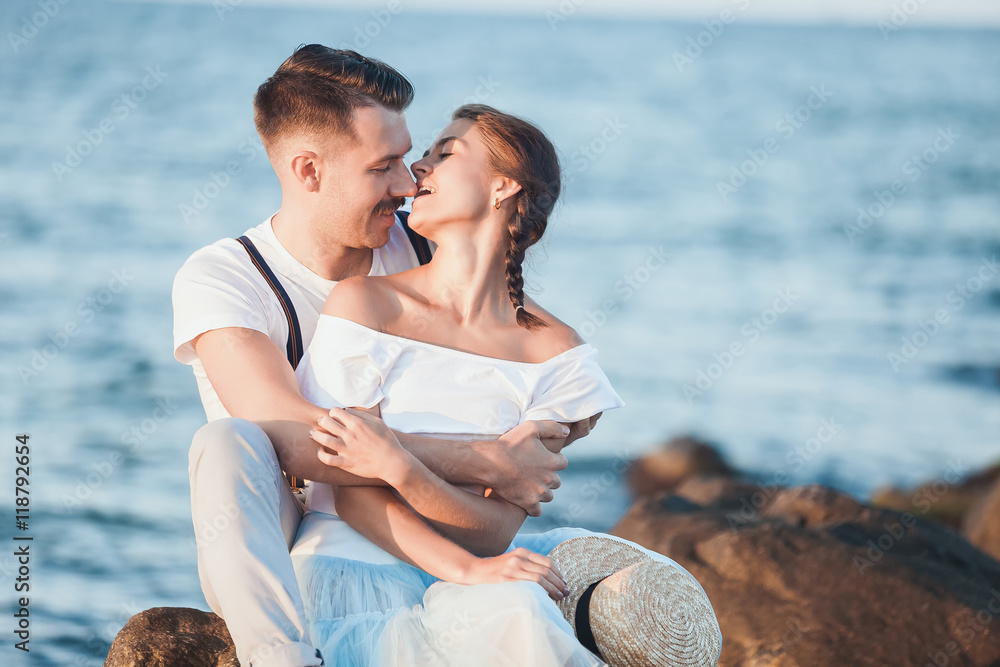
x=496, y=203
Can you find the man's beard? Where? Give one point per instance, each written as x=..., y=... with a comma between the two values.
x=387, y=206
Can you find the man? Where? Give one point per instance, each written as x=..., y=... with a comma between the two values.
x=333, y=126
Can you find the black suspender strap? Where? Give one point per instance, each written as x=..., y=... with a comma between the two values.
x=419, y=243
x=293, y=349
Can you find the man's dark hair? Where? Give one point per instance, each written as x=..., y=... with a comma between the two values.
x=318, y=89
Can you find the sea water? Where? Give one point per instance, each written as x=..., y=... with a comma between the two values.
x=782, y=239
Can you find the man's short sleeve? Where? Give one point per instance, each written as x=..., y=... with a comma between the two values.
x=214, y=290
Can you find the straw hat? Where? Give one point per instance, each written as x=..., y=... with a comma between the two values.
x=641, y=611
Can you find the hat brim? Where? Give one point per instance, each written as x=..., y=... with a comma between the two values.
x=654, y=614
x=584, y=560
x=646, y=612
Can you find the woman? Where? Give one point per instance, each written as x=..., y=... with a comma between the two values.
x=453, y=347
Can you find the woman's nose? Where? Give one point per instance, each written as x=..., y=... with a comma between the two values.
x=419, y=168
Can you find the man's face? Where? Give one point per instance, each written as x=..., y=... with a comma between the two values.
x=365, y=181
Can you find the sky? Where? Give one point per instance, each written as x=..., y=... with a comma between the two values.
x=975, y=13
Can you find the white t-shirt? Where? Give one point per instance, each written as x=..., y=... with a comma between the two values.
x=219, y=287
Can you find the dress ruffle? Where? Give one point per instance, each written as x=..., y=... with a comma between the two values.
x=348, y=603
x=510, y=623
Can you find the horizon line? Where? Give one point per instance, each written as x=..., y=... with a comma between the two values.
x=974, y=15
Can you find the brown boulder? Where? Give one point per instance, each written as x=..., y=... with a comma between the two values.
x=680, y=459
x=807, y=576
x=947, y=499
x=173, y=637
x=982, y=522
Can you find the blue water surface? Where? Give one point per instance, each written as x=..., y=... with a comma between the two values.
x=709, y=243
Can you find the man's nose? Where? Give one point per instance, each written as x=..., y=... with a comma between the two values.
x=404, y=186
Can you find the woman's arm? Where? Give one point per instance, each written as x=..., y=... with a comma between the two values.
x=390, y=524
x=483, y=525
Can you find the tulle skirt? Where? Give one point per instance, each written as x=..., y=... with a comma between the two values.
x=391, y=614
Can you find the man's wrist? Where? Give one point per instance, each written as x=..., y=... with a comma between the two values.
x=481, y=468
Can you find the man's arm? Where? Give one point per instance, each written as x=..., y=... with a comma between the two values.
x=254, y=381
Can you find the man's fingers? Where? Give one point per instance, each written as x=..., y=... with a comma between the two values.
x=535, y=509
x=548, y=428
x=561, y=461
x=546, y=498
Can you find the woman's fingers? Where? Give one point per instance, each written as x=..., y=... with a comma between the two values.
x=329, y=458
x=551, y=581
x=332, y=425
x=543, y=560
x=550, y=588
x=362, y=415
x=351, y=417
x=548, y=569
x=326, y=440
x=537, y=567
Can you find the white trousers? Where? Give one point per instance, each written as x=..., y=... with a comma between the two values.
x=245, y=519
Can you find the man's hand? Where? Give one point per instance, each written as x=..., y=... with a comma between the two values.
x=523, y=469
x=577, y=430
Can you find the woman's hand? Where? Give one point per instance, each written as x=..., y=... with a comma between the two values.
x=517, y=565
x=362, y=444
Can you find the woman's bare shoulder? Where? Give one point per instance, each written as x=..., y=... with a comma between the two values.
x=371, y=301
x=555, y=338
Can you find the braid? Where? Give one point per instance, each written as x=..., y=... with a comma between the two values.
x=520, y=237
x=521, y=152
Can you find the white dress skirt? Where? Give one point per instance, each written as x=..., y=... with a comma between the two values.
x=365, y=607
x=392, y=614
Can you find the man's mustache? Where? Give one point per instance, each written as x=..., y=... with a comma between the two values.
x=389, y=205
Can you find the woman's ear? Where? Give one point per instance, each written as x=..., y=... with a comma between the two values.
x=504, y=188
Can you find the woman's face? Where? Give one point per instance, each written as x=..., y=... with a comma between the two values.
x=453, y=179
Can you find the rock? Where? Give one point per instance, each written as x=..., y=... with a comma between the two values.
x=173, y=637
x=982, y=522
x=678, y=460
x=808, y=576
x=946, y=499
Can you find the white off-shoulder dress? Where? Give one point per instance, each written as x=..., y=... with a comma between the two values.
x=365, y=607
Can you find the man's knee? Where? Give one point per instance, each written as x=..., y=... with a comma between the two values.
x=231, y=445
